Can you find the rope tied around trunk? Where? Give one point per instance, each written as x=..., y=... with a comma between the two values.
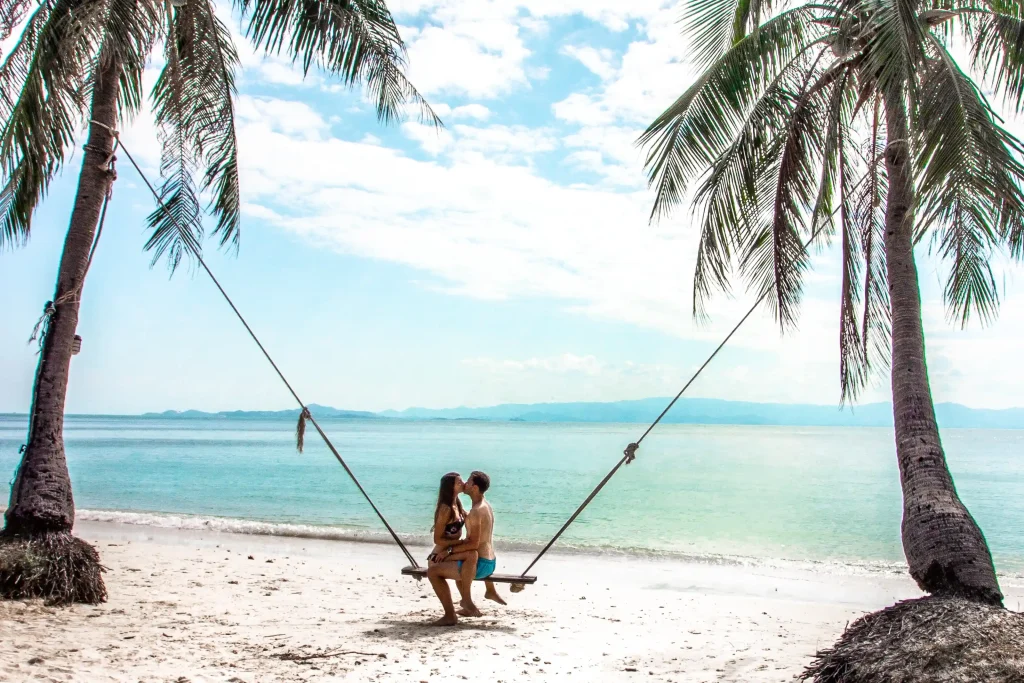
x=42, y=327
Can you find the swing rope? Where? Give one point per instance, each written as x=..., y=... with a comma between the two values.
x=629, y=455
x=304, y=410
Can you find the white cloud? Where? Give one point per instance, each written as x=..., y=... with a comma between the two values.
x=285, y=116
x=484, y=226
x=599, y=61
x=466, y=111
x=571, y=377
x=613, y=174
x=433, y=140
x=609, y=151
x=582, y=109
x=471, y=111
x=652, y=73
x=563, y=364
x=480, y=59
x=615, y=142
x=496, y=142
x=501, y=140
x=476, y=47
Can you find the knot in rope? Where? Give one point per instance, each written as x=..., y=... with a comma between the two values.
x=630, y=452
x=109, y=164
x=42, y=326
x=300, y=428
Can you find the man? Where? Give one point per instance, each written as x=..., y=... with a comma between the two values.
x=471, y=559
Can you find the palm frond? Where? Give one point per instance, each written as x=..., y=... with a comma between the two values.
x=702, y=123
x=896, y=46
x=41, y=102
x=129, y=33
x=774, y=258
x=177, y=221
x=852, y=361
x=728, y=198
x=715, y=26
x=869, y=215
x=194, y=107
x=217, y=138
x=836, y=121
x=356, y=40
x=11, y=14
x=179, y=206
x=970, y=177
x=997, y=50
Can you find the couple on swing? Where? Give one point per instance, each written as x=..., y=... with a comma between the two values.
x=459, y=559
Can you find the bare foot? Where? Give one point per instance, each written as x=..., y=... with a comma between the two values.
x=470, y=611
x=446, y=621
x=489, y=595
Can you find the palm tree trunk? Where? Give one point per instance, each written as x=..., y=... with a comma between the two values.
x=945, y=549
x=41, y=500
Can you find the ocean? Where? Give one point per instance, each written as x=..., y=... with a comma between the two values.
x=720, y=494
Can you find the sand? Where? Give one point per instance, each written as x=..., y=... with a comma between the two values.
x=194, y=607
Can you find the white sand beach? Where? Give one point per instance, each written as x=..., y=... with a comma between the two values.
x=200, y=607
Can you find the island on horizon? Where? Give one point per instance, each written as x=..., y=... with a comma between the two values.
x=685, y=411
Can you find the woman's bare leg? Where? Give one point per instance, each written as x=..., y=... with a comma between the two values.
x=438, y=575
x=464, y=580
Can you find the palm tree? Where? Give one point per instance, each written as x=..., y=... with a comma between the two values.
x=76, y=51
x=857, y=119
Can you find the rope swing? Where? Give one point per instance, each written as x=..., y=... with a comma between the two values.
x=518, y=581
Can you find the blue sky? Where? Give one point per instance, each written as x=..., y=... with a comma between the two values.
x=505, y=258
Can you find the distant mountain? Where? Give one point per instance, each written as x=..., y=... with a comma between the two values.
x=686, y=411
x=714, y=411
x=318, y=410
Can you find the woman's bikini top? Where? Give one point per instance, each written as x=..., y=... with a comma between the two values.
x=453, y=529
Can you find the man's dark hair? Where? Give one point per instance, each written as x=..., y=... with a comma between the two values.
x=480, y=480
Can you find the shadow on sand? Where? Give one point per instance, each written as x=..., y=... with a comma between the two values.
x=419, y=626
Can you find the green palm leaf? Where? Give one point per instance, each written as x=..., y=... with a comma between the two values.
x=41, y=102
x=997, y=49
x=853, y=370
x=129, y=32
x=715, y=26
x=727, y=197
x=194, y=108
x=356, y=40
x=703, y=123
x=970, y=179
x=876, y=321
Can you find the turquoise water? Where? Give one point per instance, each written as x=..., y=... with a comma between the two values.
x=716, y=492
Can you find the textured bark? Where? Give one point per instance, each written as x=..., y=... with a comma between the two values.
x=945, y=549
x=41, y=499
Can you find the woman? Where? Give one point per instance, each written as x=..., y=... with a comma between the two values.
x=449, y=520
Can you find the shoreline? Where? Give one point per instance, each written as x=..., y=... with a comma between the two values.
x=204, y=606
x=172, y=521
x=662, y=572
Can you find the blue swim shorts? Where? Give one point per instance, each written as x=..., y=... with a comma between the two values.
x=484, y=568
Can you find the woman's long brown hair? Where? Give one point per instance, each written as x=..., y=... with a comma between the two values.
x=446, y=497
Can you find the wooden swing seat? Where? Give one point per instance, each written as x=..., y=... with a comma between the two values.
x=421, y=573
